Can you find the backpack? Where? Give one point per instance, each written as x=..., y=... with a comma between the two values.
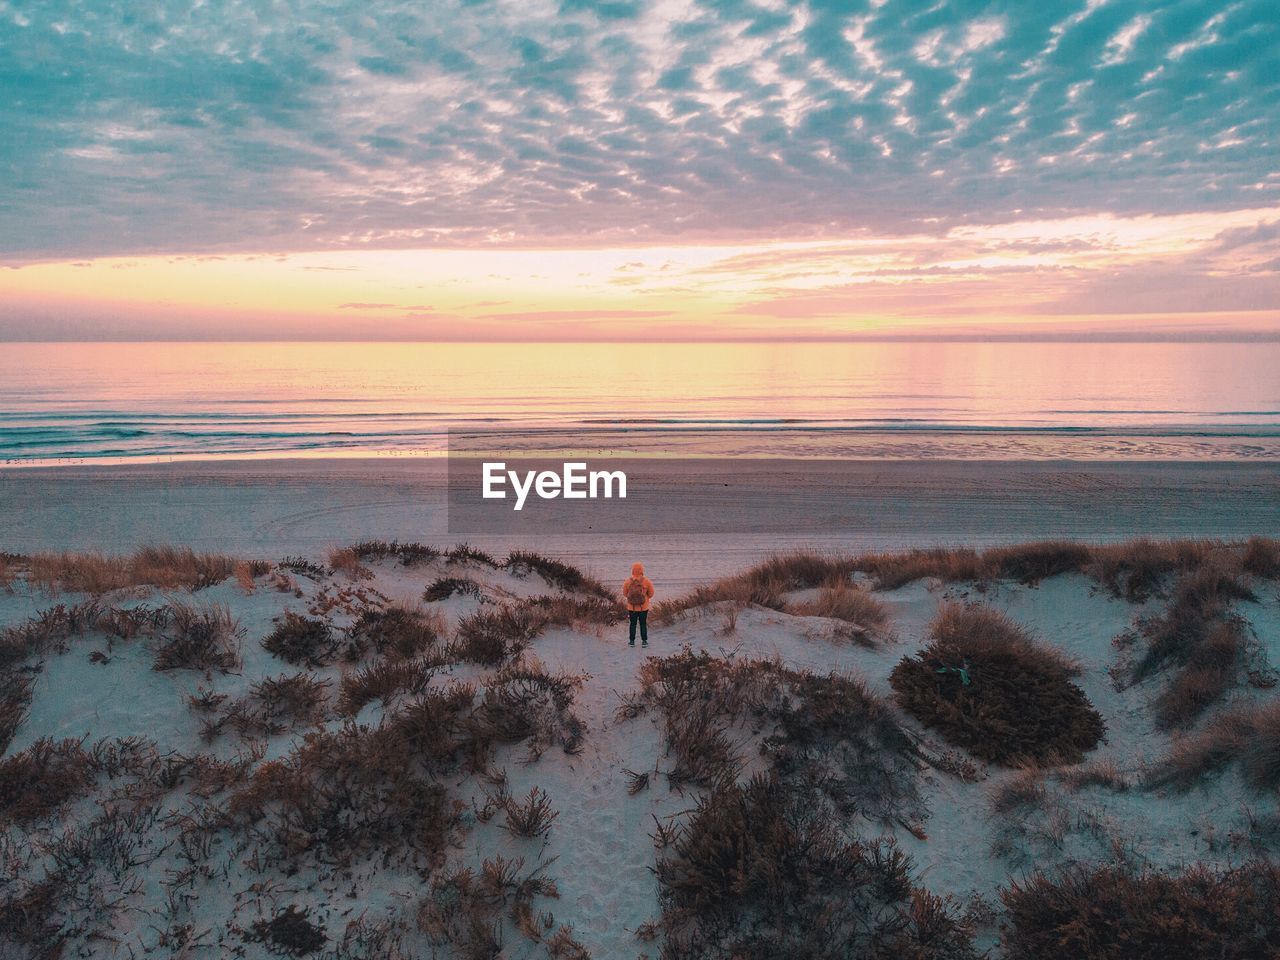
x=636, y=593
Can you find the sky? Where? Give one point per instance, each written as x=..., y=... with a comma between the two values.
x=601, y=170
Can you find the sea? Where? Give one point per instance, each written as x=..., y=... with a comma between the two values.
x=78, y=403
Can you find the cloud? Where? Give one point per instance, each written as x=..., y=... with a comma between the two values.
x=177, y=127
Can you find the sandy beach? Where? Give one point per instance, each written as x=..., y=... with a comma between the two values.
x=273, y=508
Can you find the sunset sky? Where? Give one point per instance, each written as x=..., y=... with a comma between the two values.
x=692, y=170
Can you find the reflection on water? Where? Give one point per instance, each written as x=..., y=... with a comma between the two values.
x=65, y=402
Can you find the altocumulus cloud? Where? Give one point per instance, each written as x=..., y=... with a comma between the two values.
x=148, y=127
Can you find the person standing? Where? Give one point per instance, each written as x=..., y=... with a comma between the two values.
x=637, y=591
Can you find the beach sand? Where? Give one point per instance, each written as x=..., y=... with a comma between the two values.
x=273, y=508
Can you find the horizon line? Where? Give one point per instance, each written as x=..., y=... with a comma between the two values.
x=1125, y=337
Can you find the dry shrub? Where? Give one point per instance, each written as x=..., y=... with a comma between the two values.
x=1030, y=563
x=556, y=573
x=302, y=567
x=530, y=817
x=347, y=562
x=445, y=587
x=272, y=706
x=397, y=632
x=561, y=945
x=408, y=554
x=15, y=698
x=127, y=623
x=1020, y=705
x=383, y=681
x=303, y=641
x=465, y=553
x=40, y=779
x=345, y=792
x=204, y=638
x=1135, y=570
x=490, y=638
x=1200, y=637
x=51, y=629
x=32, y=916
x=170, y=568
x=1114, y=913
x=760, y=872
x=290, y=933
x=341, y=792
x=1248, y=736
x=526, y=703
x=466, y=910
x=826, y=731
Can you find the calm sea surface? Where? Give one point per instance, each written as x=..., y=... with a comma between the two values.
x=73, y=403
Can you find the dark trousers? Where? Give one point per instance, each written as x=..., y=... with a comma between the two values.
x=641, y=617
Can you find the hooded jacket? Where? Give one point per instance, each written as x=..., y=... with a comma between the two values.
x=637, y=573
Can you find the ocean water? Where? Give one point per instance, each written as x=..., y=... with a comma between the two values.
x=64, y=403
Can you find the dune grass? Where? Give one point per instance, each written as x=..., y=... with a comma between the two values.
x=169, y=568
x=205, y=638
x=1200, y=639
x=1113, y=912
x=43, y=777
x=1134, y=570
x=759, y=871
x=1246, y=737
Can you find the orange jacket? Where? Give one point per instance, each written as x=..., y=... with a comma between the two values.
x=637, y=573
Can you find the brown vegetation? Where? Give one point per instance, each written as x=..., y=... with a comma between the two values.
x=272, y=706
x=490, y=638
x=170, y=568
x=760, y=871
x=407, y=554
x=303, y=641
x=1114, y=913
x=1247, y=736
x=383, y=681
x=396, y=632
x=1018, y=705
x=854, y=605
x=530, y=817
x=290, y=933
x=204, y=638
x=556, y=573
x=15, y=697
x=41, y=778
x=346, y=561
x=1135, y=570
x=1200, y=638
x=465, y=910
x=442, y=588
x=827, y=731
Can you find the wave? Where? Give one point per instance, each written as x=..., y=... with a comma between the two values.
x=62, y=435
